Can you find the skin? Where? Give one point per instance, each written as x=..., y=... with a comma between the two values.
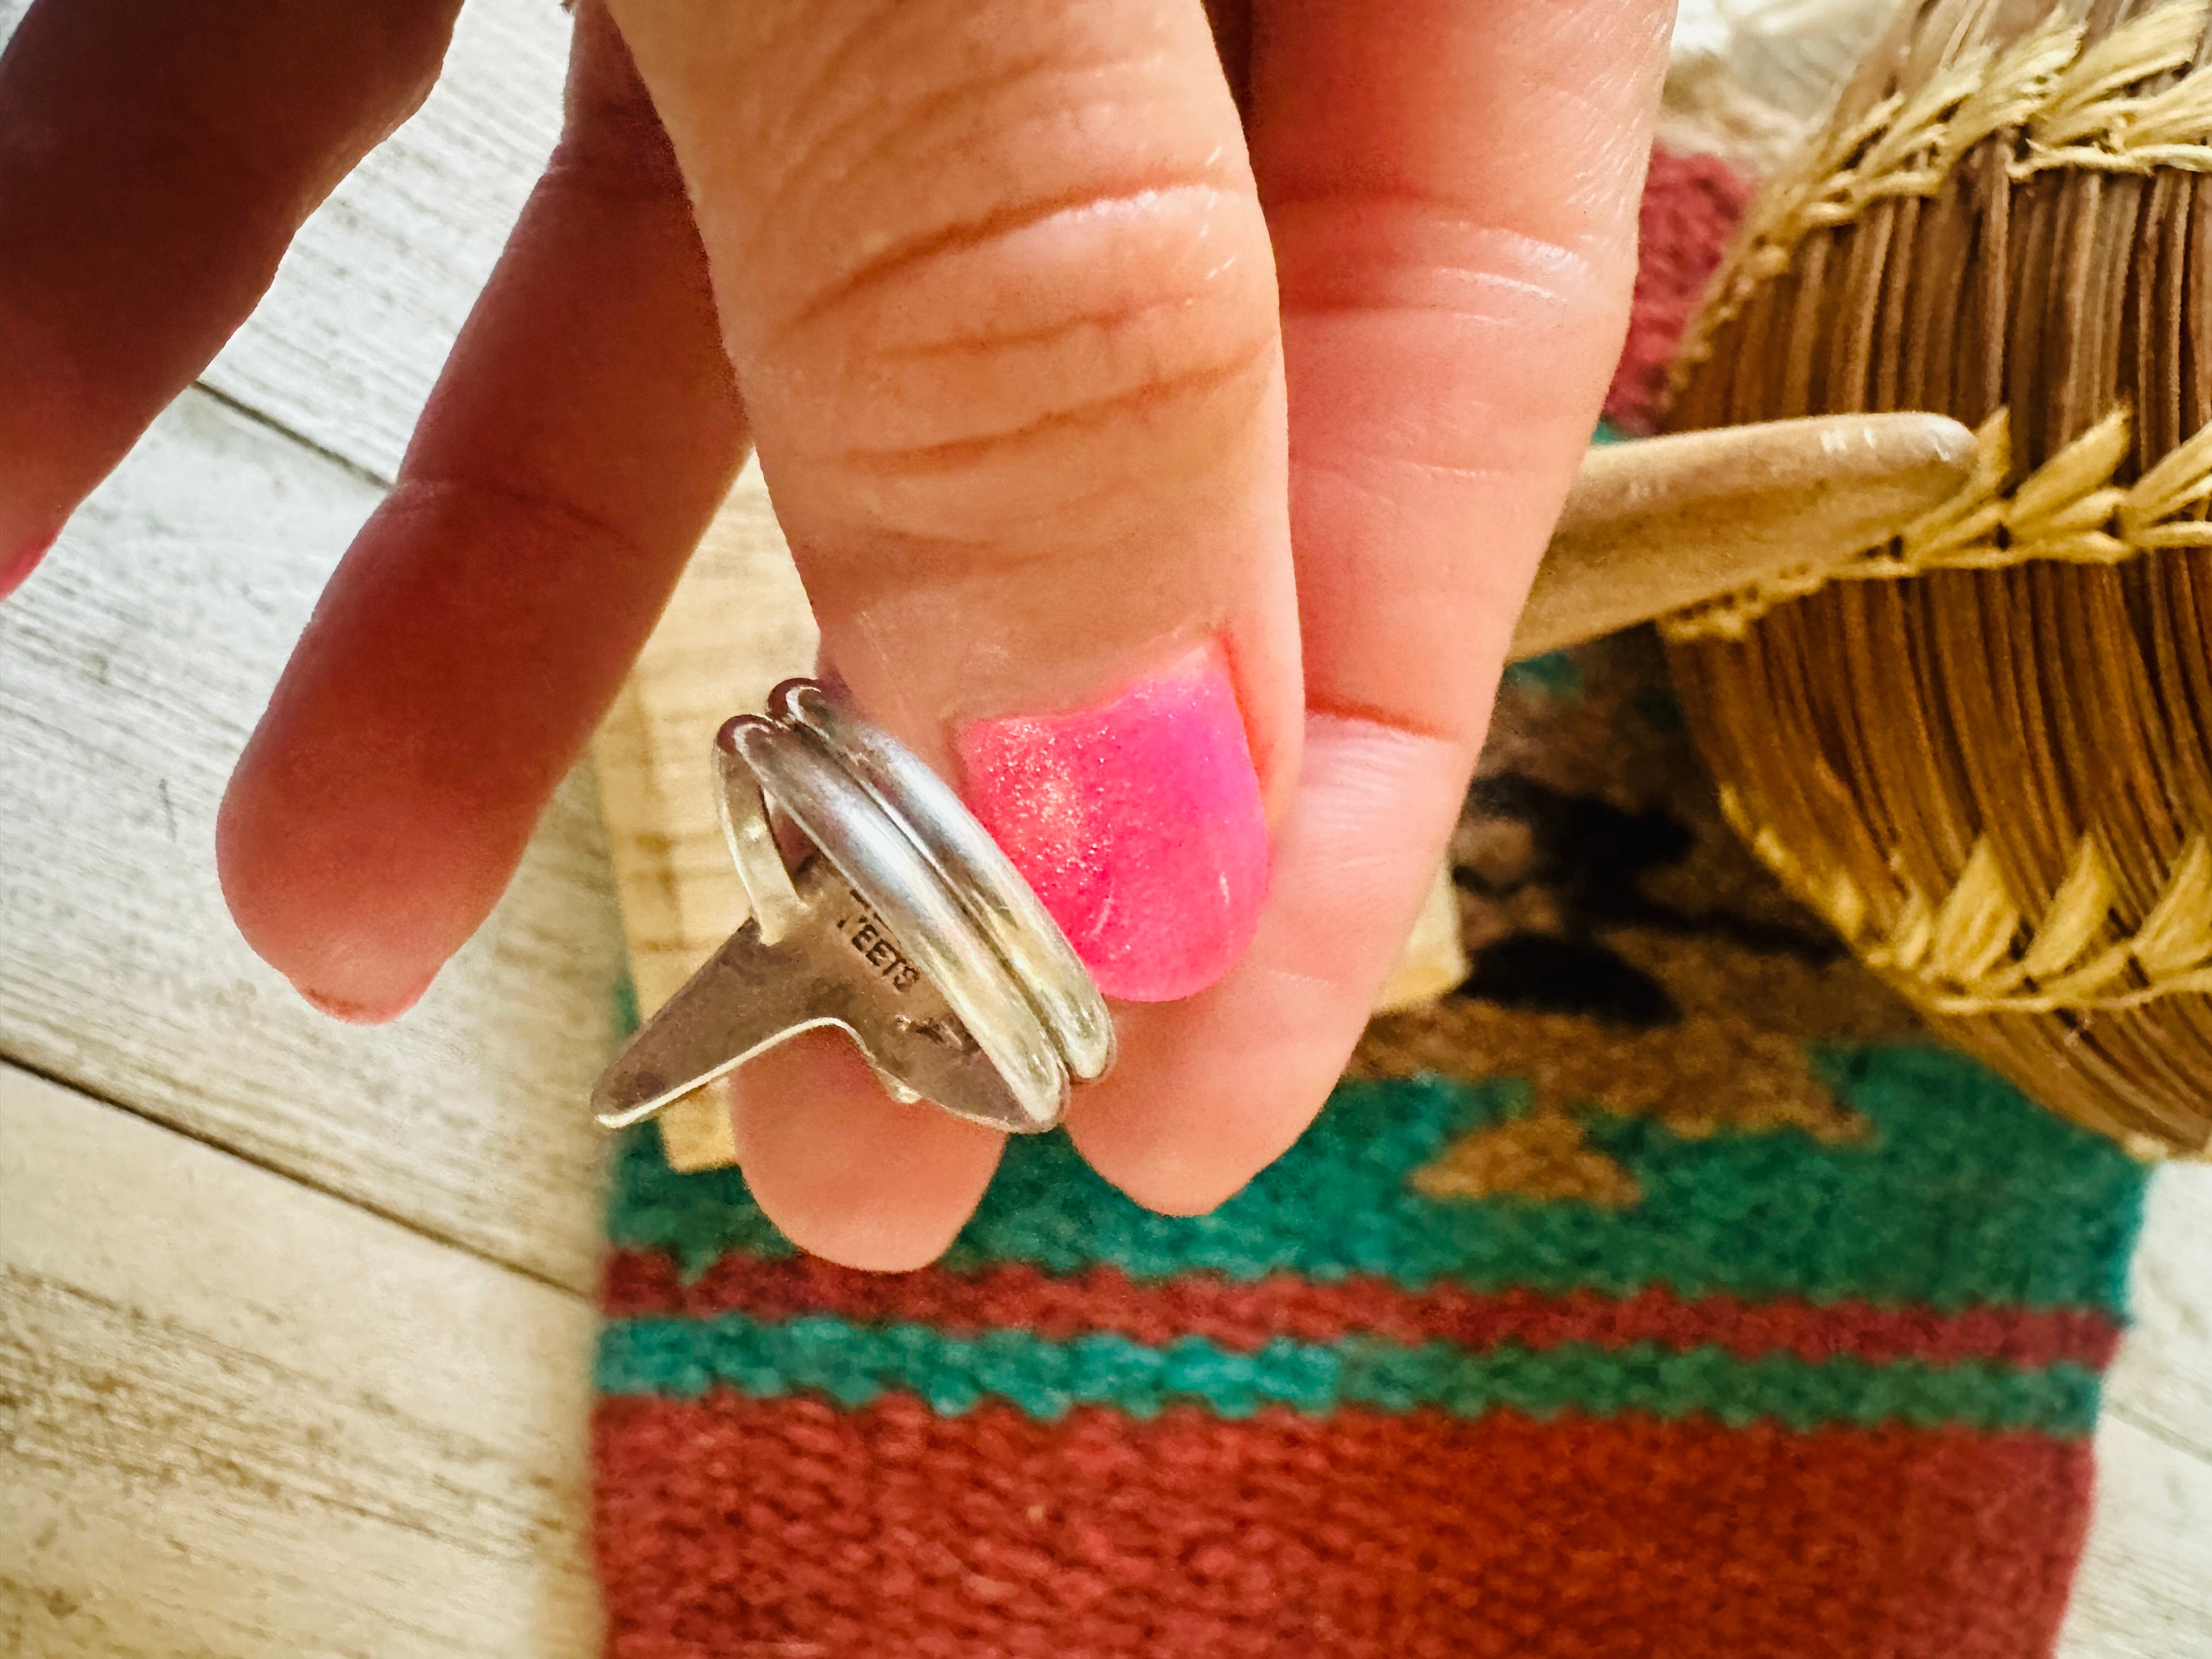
x=1068, y=337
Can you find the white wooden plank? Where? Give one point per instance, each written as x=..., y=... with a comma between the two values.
x=2145, y=1586
x=245, y=1418
x=132, y=665
x=2162, y=1380
x=347, y=343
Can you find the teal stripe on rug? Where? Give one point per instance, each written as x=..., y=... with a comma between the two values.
x=1965, y=1195
x=853, y=1364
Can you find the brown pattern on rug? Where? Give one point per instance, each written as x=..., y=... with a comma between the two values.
x=1629, y=957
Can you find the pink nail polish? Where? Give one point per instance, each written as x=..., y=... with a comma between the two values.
x=1139, y=823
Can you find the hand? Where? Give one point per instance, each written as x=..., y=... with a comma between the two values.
x=1089, y=382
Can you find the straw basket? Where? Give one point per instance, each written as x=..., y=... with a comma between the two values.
x=1983, y=751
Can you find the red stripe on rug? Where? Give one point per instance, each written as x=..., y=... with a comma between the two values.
x=1244, y=1316
x=734, y=1527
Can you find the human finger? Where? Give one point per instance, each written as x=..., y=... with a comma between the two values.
x=155, y=159
x=579, y=438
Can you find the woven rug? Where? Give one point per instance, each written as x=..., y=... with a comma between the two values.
x=1661, y=1292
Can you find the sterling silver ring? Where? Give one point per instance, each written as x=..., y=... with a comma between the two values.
x=902, y=925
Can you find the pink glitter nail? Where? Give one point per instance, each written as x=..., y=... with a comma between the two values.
x=1138, y=822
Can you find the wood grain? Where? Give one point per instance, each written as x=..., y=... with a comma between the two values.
x=2162, y=1380
x=240, y=1417
x=2142, y=1591
x=132, y=665
x=2145, y=1582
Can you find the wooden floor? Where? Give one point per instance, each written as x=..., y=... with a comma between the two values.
x=294, y=1356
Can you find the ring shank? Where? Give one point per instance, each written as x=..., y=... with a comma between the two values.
x=1019, y=927
x=880, y=859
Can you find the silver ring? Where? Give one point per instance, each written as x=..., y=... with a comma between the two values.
x=1009, y=1016
x=1028, y=940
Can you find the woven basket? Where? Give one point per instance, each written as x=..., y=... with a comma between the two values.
x=1982, y=751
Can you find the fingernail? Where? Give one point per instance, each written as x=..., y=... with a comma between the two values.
x=1137, y=823
x=354, y=1012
